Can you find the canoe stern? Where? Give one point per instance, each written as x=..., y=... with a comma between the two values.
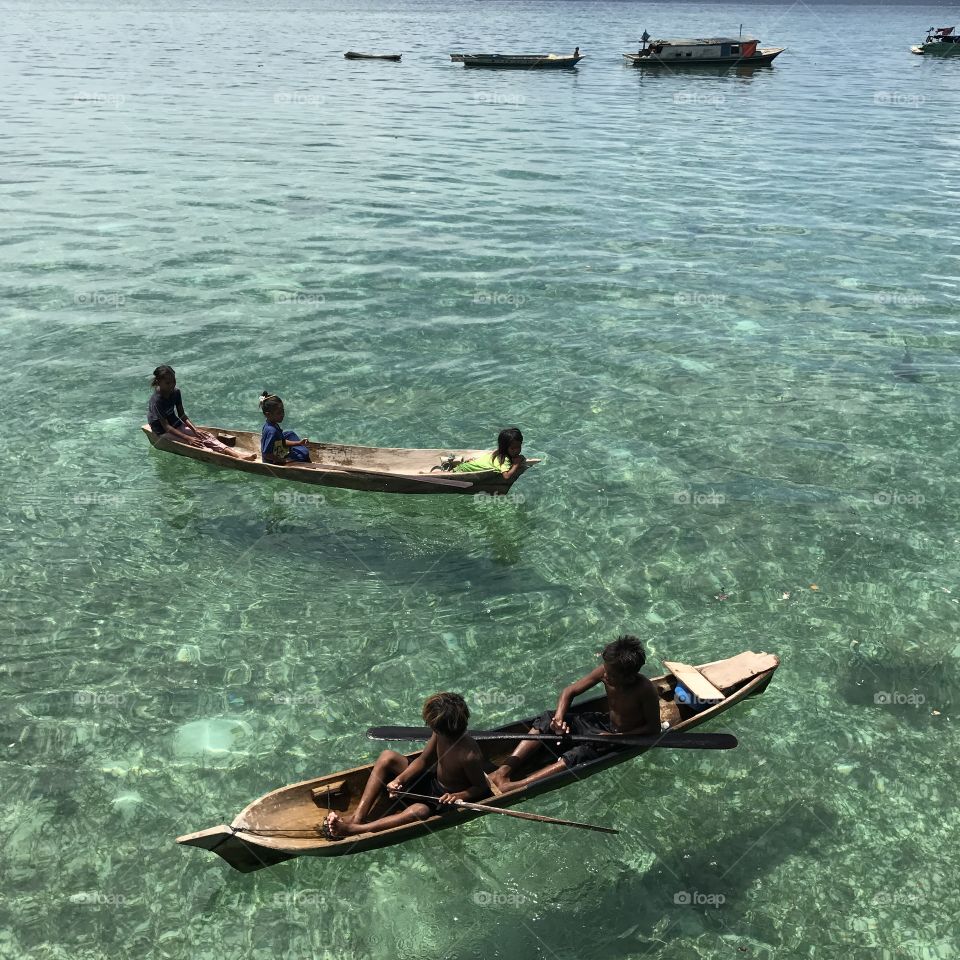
x=241, y=854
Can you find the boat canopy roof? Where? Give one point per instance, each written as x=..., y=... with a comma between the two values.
x=704, y=41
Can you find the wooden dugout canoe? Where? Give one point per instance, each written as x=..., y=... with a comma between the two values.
x=284, y=823
x=518, y=61
x=354, y=55
x=378, y=469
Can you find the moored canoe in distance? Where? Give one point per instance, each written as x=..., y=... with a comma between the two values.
x=519, y=61
x=716, y=51
x=285, y=823
x=378, y=469
x=354, y=55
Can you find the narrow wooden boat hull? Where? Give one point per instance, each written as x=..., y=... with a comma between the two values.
x=377, y=469
x=354, y=55
x=284, y=823
x=515, y=62
x=760, y=59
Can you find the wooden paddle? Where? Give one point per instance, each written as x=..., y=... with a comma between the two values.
x=486, y=808
x=681, y=741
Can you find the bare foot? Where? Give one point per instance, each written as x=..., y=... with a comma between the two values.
x=248, y=456
x=335, y=827
x=500, y=779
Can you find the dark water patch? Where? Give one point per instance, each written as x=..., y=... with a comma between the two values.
x=909, y=689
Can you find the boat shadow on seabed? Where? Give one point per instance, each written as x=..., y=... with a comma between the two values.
x=685, y=892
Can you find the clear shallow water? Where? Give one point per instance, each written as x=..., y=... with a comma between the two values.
x=723, y=308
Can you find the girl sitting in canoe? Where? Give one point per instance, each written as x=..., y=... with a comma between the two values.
x=507, y=458
x=165, y=414
x=278, y=446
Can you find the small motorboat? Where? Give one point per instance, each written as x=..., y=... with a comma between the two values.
x=703, y=52
x=354, y=55
x=940, y=42
x=519, y=61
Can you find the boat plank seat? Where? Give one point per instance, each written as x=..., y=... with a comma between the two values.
x=725, y=675
x=695, y=682
x=332, y=796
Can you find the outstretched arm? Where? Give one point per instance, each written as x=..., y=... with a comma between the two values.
x=426, y=759
x=574, y=690
x=179, y=434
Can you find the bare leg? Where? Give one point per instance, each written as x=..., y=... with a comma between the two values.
x=501, y=777
x=240, y=455
x=388, y=767
x=558, y=767
x=341, y=827
x=212, y=443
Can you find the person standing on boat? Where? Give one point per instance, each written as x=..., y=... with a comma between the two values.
x=278, y=446
x=166, y=415
x=632, y=703
x=507, y=458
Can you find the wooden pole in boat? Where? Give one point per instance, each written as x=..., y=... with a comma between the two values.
x=486, y=808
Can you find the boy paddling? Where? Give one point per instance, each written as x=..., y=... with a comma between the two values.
x=632, y=701
x=451, y=768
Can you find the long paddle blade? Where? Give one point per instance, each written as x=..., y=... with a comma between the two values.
x=674, y=741
x=539, y=818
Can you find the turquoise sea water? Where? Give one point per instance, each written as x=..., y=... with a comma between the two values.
x=724, y=310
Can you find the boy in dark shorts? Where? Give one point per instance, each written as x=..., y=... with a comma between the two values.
x=451, y=768
x=632, y=701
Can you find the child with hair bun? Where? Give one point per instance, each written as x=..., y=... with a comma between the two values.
x=277, y=446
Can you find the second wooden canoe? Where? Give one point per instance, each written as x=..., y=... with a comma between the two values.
x=378, y=469
x=285, y=823
x=517, y=61
x=354, y=55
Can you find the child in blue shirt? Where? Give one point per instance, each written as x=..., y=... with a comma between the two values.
x=277, y=446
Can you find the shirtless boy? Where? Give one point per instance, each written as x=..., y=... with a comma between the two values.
x=451, y=768
x=633, y=704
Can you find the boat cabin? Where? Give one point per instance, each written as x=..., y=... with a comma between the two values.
x=716, y=48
